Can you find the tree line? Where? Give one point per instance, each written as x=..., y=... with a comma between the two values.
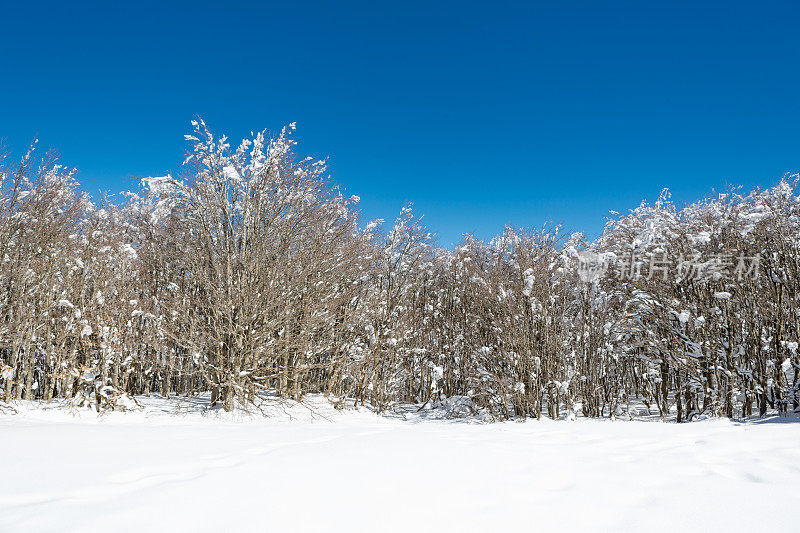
x=250, y=275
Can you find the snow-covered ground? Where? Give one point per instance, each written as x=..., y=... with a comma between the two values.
x=324, y=470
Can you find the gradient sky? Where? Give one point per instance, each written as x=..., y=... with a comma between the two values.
x=482, y=114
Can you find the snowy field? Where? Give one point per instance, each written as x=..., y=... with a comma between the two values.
x=324, y=470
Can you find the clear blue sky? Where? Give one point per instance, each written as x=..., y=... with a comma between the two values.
x=482, y=114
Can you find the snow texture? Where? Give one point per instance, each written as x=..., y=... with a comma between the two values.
x=178, y=467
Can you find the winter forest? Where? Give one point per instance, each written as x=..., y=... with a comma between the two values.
x=250, y=276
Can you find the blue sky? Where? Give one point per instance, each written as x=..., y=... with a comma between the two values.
x=482, y=114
